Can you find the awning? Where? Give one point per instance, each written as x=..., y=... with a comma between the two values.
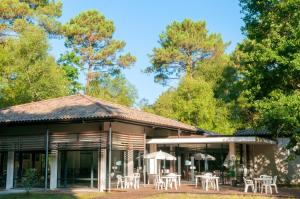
x=211, y=140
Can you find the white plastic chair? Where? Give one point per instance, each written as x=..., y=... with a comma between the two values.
x=206, y=181
x=128, y=182
x=173, y=180
x=274, y=183
x=248, y=183
x=159, y=183
x=266, y=184
x=120, y=181
x=136, y=183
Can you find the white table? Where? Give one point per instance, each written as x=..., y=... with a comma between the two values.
x=169, y=179
x=257, y=183
x=131, y=181
x=207, y=179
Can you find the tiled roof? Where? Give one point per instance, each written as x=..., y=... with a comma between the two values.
x=207, y=133
x=82, y=107
x=252, y=132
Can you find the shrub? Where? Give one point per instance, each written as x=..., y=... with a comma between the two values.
x=30, y=179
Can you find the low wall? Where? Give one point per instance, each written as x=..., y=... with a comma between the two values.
x=272, y=160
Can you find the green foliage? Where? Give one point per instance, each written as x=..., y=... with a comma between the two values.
x=269, y=66
x=280, y=113
x=30, y=179
x=189, y=52
x=90, y=36
x=193, y=102
x=15, y=15
x=115, y=89
x=183, y=46
x=27, y=72
x=70, y=64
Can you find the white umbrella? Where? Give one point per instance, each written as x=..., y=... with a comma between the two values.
x=206, y=157
x=160, y=155
x=226, y=161
x=201, y=156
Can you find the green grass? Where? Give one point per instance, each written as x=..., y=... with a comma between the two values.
x=204, y=196
x=98, y=195
x=51, y=196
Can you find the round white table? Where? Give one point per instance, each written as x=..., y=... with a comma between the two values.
x=206, y=180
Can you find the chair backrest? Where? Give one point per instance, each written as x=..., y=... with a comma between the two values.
x=267, y=180
x=247, y=181
x=156, y=178
x=136, y=174
x=274, y=180
x=208, y=174
x=265, y=176
x=119, y=177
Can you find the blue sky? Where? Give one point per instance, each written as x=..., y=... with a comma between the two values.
x=139, y=23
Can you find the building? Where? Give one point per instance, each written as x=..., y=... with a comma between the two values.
x=80, y=141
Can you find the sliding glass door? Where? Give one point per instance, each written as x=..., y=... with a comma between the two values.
x=77, y=169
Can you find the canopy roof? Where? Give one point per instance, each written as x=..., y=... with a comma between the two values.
x=83, y=107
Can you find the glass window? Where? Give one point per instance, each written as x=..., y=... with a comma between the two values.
x=3, y=165
x=77, y=168
x=29, y=160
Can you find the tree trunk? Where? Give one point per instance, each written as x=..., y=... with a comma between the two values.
x=88, y=79
x=189, y=68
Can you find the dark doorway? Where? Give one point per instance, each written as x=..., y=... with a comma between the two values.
x=77, y=169
x=29, y=160
x=3, y=165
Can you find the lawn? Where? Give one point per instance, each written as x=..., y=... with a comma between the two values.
x=98, y=195
x=204, y=196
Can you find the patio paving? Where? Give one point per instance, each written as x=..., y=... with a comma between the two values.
x=189, y=188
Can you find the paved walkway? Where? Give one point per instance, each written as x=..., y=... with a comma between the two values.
x=224, y=190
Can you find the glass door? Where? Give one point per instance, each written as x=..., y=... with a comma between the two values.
x=3, y=165
x=29, y=160
x=77, y=169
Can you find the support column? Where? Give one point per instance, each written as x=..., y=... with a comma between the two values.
x=125, y=163
x=102, y=170
x=108, y=158
x=53, y=162
x=245, y=160
x=144, y=160
x=46, y=159
x=10, y=170
x=205, y=161
x=179, y=165
x=232, y=154
x=153, y=167
x=130, y=166
x=193, y=168
x=173, y=162
x=92, y=175
x=232, y=150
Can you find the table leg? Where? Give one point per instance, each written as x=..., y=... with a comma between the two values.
x=196, y=181
x=217, y=181
x=255, y=186
x=167, y=184
x=206, y=185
